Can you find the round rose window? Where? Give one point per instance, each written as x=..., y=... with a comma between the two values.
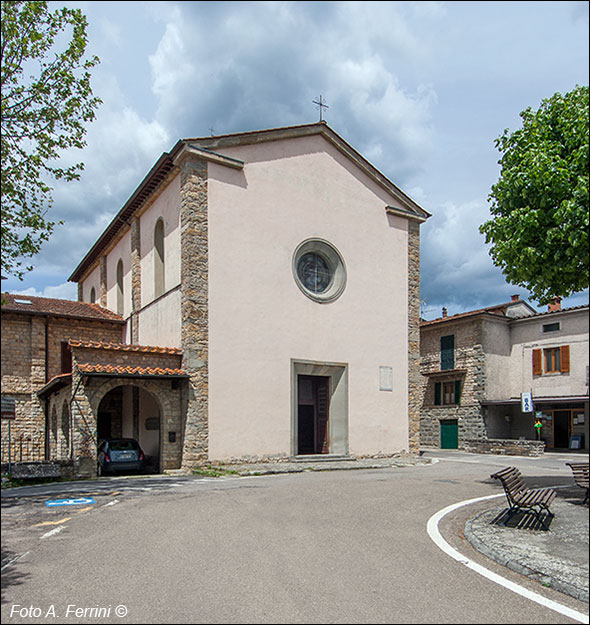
x=319, y=270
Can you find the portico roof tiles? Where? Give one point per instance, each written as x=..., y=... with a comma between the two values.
x=148, y=349
x=127, y=370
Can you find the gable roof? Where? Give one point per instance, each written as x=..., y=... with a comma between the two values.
x=48, y=307
x=503, y=310
x=206, y=148
x=411, y=208
x=499, y=310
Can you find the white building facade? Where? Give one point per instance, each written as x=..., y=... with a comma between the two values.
x=285, y=269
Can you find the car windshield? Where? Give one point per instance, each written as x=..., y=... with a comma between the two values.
x=123, y=445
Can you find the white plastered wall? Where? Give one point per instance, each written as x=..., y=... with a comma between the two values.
x=260, y=321
x=159, y=319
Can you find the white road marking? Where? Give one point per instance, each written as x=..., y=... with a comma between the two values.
x=14, y=560
x=457, y=460
x=433, y=532
x=111, y=503
x=53, y=532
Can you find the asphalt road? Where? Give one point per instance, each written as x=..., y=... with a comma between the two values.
x=329, y=547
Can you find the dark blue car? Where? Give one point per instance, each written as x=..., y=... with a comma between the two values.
x=118, y=455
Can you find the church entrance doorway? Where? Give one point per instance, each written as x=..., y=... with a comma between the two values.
x=131, y=412
x=313, y=411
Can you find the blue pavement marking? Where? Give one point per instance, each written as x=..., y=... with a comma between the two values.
x=69, y=502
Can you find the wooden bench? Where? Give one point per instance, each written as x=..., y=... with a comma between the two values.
x=580, y=472
x=520, y=497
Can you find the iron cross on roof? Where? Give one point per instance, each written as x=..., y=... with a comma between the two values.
x=321, y=105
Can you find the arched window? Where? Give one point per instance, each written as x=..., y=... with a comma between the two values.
x=120, y=308
x=92, y=295
x=159, y=258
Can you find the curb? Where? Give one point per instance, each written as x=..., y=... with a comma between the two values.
x=518, y=566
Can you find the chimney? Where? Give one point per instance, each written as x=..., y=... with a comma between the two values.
x=444, y=311
x=515, y=298
x=555, y=305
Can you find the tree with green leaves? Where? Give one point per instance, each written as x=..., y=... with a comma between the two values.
x=46, y=102
x=539, y=229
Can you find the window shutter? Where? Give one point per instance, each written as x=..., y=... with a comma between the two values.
x=537, y=362
x=458, y=392
x=437, y=393
x=447, y=352
x=565, y=358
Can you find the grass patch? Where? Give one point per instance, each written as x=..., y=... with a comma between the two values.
x=14, y=482
x=210, y=471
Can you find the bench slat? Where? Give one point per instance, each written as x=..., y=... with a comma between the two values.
x=580, y=475
x=519, y=496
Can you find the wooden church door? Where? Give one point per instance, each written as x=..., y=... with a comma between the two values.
x=313, y=410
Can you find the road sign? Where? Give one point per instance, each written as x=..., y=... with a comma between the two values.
x=526, y=402
x=81, y=501
x=8, y=408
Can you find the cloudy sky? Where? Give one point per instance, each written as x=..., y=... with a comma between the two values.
x=421, y=89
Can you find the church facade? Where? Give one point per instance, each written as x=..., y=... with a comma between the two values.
x=269, y=282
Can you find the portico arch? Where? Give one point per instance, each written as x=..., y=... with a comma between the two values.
x=132, y=408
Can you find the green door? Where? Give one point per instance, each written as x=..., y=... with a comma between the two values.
x=449, y=434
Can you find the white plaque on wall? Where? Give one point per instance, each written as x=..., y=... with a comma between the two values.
x=385, y=378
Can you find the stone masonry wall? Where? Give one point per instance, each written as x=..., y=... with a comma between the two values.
x=27, y=366
x=62, y=330
x=414, y=376
x=89, y=391
x=194, y=307
x=141, y=357
x=16, y=353
x=103, y=282
x=60, y=426
x=135, y=278
x=23, y=373
x=505, y=447
x=470, y=361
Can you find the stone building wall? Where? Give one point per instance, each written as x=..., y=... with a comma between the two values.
x=469, y=368
x=195, y=307
x=62, y=330
x=135, y=278
x=31, y=356
x=23, y=373
x=89, y=391
x=60, y=425
x=414, y=374
x=94, y=353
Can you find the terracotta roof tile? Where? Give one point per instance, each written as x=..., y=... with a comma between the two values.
x=499, y=310
x=151, y=349
x=493, y=311
x=57, y=307
x=56, y=383
x=128, y=370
